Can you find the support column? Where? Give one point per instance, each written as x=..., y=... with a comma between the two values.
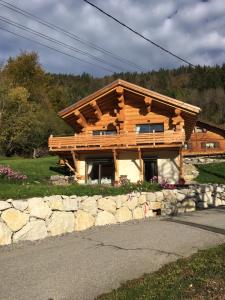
x=116, y=165
x=76, y=164
x=181, y=163
x=141, y=165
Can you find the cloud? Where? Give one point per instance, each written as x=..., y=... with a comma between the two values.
x=193, y=29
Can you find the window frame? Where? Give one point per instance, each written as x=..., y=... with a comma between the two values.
x=149, y=130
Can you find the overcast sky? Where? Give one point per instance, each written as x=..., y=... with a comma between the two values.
x=193, y=29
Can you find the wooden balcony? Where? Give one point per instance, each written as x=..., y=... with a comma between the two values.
x=118, y=141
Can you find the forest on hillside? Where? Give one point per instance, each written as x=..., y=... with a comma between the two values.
x=30, y=97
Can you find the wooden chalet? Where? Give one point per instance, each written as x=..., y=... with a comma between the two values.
x=124, y=131
x=206, y=139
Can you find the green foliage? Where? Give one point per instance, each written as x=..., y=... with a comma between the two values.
x=201, y=276
x=30, y=98
x=211, y=173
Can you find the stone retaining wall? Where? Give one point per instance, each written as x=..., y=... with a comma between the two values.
x=37, y=218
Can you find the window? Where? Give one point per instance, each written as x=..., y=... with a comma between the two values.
x=210, y=145
x=100, y=171
x=199, y=129
x=104, y=132
x=147, y=128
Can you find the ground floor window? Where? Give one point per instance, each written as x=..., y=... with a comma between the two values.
x=210, y=145
x=150, y=168
x=100, y=171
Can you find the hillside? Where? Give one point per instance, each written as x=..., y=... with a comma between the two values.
x=30, y=98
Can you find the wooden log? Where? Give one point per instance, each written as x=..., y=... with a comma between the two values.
x=148, y=103
x=181, y=163
x=75, y=161
x=141, y=165
x=80, y=119
x=97, y=110
x=115, y=165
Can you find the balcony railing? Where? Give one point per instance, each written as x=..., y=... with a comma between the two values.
x=122, y=140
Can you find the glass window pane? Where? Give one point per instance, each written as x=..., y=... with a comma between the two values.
x=146, y=128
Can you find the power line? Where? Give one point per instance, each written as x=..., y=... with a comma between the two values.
x=69, y=34
x=57, y=50
x=46, y=37
x=139, y=34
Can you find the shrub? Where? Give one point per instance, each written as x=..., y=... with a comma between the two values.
x=10, y=174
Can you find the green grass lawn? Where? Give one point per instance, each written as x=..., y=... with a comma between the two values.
x=211, y=173
x=38, y=172
x=201, y=276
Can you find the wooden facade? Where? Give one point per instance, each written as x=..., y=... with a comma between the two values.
x=124, y=123
x=206, y=139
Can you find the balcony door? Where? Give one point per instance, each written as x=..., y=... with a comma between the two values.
x=150, y=168
x=100, y=171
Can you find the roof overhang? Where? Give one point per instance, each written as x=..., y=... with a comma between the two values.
x=191, y=109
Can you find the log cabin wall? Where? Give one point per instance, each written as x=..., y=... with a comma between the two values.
x=135, y=112
x=206, y=139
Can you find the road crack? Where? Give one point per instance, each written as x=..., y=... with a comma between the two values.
x=116, y=247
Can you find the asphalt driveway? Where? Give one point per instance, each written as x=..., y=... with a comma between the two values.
x=86, y=264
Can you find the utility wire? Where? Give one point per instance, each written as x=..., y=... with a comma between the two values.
x=69, y=34
x=139, y=34
x=46, y=37
x=57, y=50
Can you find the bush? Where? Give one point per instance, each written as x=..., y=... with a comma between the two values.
x=8, y=173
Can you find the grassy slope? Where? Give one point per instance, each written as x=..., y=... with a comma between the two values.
x=38, y=173
x=201, y=276
x=35, y=169
x=211, y=173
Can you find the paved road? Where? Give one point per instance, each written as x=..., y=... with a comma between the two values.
x=86, y=264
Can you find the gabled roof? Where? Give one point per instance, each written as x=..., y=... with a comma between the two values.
x=209, y=125
x=135, y=89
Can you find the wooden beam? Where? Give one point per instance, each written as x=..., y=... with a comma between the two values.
x=81, y=119
x=116, y=165
x=178, y=121
x=148, y=102
x=181, y=163
x=71, y=168
x=141, y=165
x=97, y=110
x=75, y=161
x=121, y=104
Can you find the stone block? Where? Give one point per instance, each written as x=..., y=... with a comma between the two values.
x=38, y=208
x=107, y=205
x=150, y=197
x=138, y=213
x=5, y=234
x=159, y=196
x=84, y=220
x=32, y=231
x=61, y=222
x=123, y=214
x=155, y=205
x=142, y=199
x=90, y=205
x=14, y=219
x=132, y=203
x=4, y=205
x=55, y=203
x=70, y=204
x=20, y=205
x=105, y=218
